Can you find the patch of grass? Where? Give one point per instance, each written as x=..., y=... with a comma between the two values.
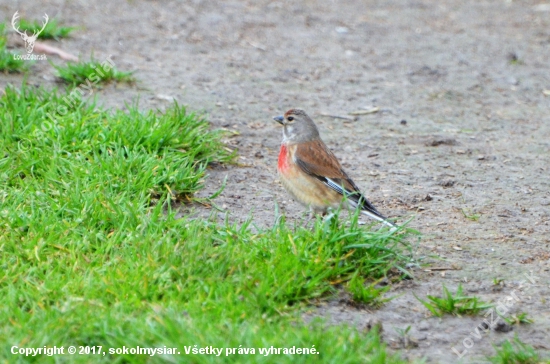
x=52, y=30
x=160, y=154
x=498, y=284
x=403, y=332
x=518, y=319
x=7, y=61
x=404, y=338
x=473, y=217
x=457, y=304
x=93, y=253
x=92, y=72
x=515, y=352
x=367, y=293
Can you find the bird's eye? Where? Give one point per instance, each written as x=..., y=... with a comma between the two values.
x=290, y=118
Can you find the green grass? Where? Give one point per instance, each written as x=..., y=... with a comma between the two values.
x=498, y=281
x=473, y=217
x=7, y=62
x=52, y=30
x=93, y=72
x=518, y=319
x=367, y=293
x=516, y=352
x=92, y=252
x=457, y=304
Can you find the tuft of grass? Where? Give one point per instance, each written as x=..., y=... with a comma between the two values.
x=404, y=338
x=498, y=284
x=515, y=352
x=457, y=304
x=93, y=252
x=473, y=217
x=7, y=61
x=52, y=30
x=301, y=265
x=518, y=319
x=498, y=281
x=366, y=293
x=93, y=71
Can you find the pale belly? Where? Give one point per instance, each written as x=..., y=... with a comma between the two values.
x=309, y=191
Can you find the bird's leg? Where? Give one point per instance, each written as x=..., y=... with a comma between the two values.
x=310, y=218
x=327, y=213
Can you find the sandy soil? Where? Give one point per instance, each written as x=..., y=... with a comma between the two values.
x=463, y=128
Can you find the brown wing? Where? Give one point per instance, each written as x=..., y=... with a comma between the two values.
x=315, y=159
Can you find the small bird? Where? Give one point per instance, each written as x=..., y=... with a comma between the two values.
x=312, y=173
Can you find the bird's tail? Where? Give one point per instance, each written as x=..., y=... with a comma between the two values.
x=380, y=218
x=357, y=200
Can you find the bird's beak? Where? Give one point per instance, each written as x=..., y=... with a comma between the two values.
x=279, y=119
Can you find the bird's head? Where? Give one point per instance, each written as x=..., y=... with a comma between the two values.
x=297, y=126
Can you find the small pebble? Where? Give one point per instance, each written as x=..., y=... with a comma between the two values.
x=423, y=326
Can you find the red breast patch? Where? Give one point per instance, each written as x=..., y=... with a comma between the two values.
x=283, y=164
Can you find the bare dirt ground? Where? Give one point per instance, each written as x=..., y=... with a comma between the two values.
x=463, y=128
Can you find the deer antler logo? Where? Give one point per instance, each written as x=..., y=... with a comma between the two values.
x=29, y=41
